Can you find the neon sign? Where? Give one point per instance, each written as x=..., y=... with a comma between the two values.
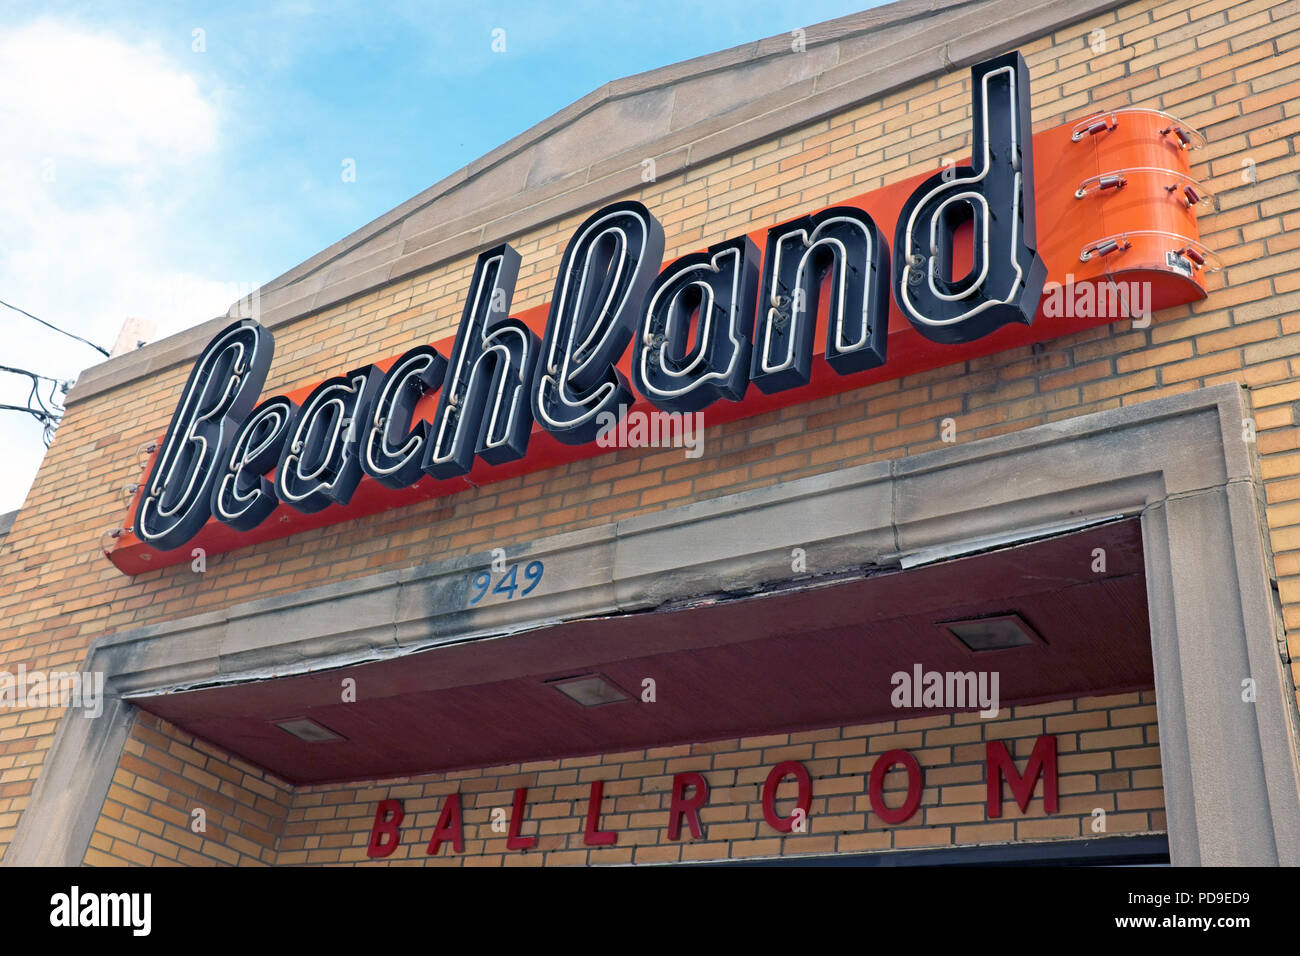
x=622, y=331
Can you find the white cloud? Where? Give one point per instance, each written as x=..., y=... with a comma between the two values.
x=101, y=140
x=94, y=98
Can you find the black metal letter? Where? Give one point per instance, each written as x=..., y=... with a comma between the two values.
x=604, y=274
x=393, y=448
x=845, y=242
x=720, y=286
x=242, y=496
x=223, y=385
x=996, y=194
x=320, y=465
x=484, y=407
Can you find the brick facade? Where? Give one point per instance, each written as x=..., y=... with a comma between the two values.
x=163, y=776
x=1108, y=759
x=1232, y=69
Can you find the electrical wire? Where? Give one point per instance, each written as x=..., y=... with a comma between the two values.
x=48, y=410
x=49, y=325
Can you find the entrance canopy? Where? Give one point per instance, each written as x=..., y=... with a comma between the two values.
x=819, y=655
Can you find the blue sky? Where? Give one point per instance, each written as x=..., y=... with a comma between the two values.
x=163, y=159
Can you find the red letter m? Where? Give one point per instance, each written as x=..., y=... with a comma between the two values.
x=1042, y=762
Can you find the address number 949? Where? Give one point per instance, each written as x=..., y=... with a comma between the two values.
x=508, y=584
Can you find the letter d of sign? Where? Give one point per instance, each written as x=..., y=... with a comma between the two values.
x=996, y=195
x=484, y=408
x=321, y=462
x=223, y=386
x=845, y=243
x=719, y=286
x=604, y=275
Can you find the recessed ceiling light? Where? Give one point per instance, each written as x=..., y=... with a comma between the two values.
x=589, y=690
x=998, y=633
x=306, y=729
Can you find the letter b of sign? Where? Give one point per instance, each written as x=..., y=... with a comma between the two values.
x=223, y=387
x=994, y=197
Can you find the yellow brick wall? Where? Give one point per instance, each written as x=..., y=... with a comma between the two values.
x=1230, y=68
x=163, y=776
x=1108, y=758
